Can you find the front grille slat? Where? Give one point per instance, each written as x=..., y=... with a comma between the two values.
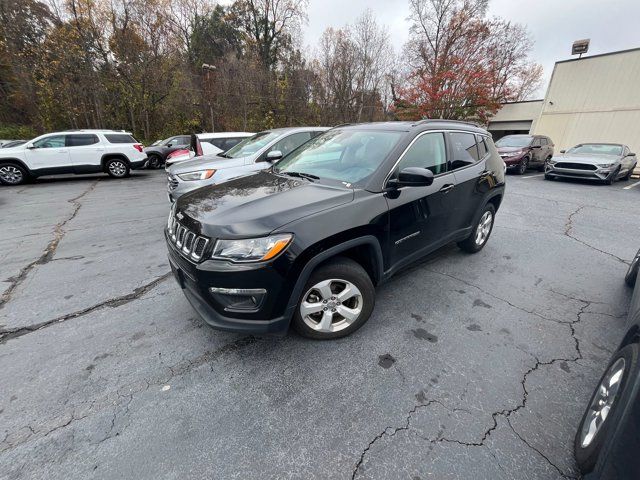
x=188, y=243
x=576, y=166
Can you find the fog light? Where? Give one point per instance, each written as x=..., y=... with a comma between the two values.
x=239, y=299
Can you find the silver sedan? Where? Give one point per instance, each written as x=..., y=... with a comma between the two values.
x=606, y=162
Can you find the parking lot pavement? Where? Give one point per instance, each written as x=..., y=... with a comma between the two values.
x=471, y=366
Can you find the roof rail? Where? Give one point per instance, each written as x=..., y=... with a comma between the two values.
x=435, y=120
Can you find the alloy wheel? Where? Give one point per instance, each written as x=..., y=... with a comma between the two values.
x=11, y=174
x=331, y=305
x=602, y=402
x=484, y=228
x=117, y=168
x=522, y=167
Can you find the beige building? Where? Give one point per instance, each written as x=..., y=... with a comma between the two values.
x=589, y=99
x=593, y=99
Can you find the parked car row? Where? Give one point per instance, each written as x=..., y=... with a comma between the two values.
x=604, y=162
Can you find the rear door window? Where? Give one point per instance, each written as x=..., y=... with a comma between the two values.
x=81, y=140
x=482, y=146
x=120, y=138
x=464, y=150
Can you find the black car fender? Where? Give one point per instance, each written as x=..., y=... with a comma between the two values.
x=308, y=268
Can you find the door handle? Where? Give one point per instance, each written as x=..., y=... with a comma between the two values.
x=447, y=188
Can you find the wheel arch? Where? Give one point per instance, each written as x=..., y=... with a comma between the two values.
x=355, y=249
x=4, y=161
x=110, y=156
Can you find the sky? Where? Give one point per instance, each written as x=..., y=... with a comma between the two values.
x=553, y=24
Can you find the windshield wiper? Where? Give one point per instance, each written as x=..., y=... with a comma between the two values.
x=308, y=176
x=223, y=155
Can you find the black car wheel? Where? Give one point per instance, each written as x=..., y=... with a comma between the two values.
x=481, y=231
x=549, y=177
x=12, y=174
x=336, y=301
x=612, y=391
x=155, y=161
x=632, y=272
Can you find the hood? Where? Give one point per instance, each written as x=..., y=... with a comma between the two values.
x=256, y=204
x=510, y=149
x=204, y=163
x=12, y=150
x=588, y=158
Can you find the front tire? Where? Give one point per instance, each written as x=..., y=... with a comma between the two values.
x=613, y=177
x=13, y=174
x=612, y=391
x=481, y=231
x=337, y=299
x=117, y=168
x=522, y=166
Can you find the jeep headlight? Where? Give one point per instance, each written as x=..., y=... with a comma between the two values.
x=198, y=175
x=252, y=249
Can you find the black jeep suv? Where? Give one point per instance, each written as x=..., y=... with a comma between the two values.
x=308, y=239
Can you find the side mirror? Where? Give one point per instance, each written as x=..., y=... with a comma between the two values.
x=415, y=177
x=563, y=151
x=536, y=146
x=31, y=146
x=632, y=154
x=274, y=155
x=169, y=144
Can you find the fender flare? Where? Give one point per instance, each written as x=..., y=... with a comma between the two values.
x=368, y=240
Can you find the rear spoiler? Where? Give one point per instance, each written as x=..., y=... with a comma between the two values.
x=195, y=146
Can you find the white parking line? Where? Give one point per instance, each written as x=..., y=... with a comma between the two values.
x=533, y=176
x=631, y=186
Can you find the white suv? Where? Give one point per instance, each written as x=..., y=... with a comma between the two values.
x=78, y=151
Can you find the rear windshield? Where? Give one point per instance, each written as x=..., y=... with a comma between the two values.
x=120, y=138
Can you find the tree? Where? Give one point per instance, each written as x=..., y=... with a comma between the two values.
x=463, y=65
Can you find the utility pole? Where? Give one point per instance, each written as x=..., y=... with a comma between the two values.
x=207, y=69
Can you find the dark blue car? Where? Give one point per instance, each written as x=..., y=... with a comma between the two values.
x=607, y=444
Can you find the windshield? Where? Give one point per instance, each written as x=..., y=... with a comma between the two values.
x=251, y=145
x=514, y=141
x=597, y=149
x=345, y=155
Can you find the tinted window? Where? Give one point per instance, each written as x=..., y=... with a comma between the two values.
x=231, y=142
x=120, y=138
x=56, y=141
x=543, y=141
x=79, y=140
x=537, y=142
x=482, y=146
x=464, y=150
x=251, y=145
x=290, y=143
x=427, y=151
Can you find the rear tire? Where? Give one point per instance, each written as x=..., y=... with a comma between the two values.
x=13, y=174
x=481, y=230
x=587, y=455
x=338, y=286
x=117, y=168
x=614, y=176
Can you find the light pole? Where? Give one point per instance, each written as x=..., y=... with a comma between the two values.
x=207, y=68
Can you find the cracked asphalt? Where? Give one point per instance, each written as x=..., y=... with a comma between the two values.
x=471, y=366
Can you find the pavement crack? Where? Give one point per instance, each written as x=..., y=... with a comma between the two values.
x=547, y=459
x=568, y=232
x=59, y=232
x=8, y=334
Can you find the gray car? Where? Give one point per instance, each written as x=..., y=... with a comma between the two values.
x=605, y=162
x=254, y=153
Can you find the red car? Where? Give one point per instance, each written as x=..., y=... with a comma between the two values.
x=520, y=152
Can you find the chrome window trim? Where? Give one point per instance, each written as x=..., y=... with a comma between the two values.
x=485, y=136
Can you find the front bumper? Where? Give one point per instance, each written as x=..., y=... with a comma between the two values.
x=271, y=316
x=512, y=161
x=600, y=174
